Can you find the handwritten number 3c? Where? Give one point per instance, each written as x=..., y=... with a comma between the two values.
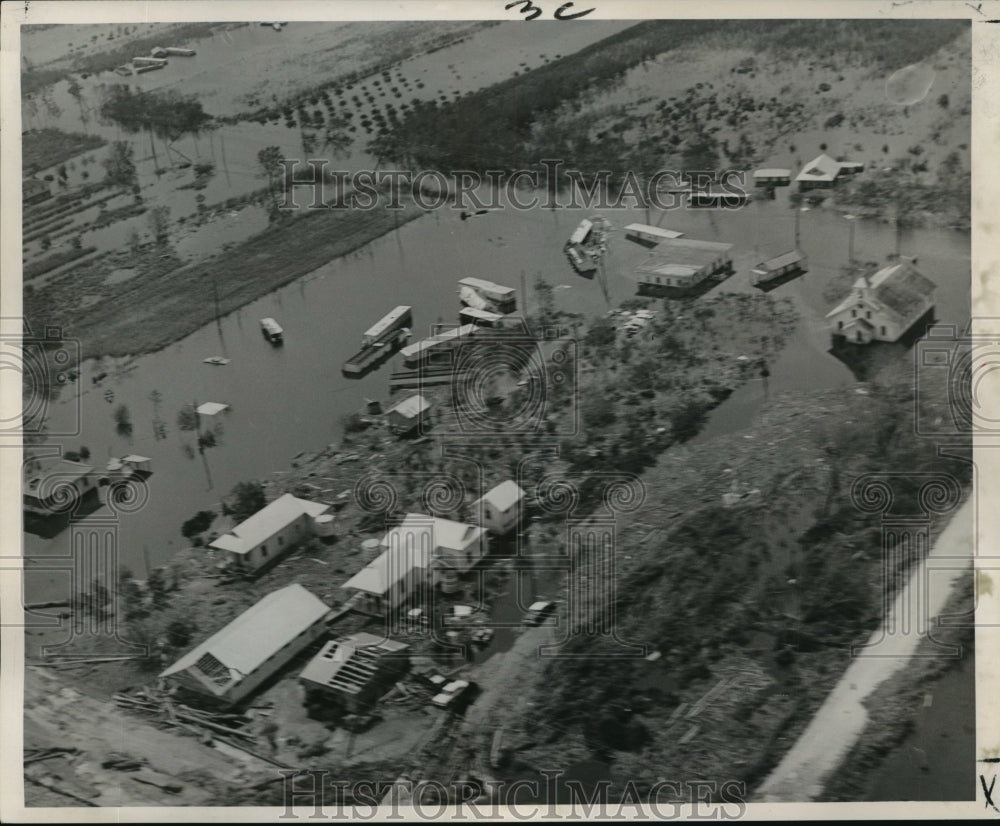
x=531, y=11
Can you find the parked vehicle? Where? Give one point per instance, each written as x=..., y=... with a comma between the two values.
x=538, y=613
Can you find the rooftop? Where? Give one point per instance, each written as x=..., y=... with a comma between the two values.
x=442, y=533
x=63, y=469
x=779, y=261
x=412, y=407
x=266, y=522
x=823, y=168
x=349, y=664
x=448, y=335
x=658, y=232
x=504, y=495
x=486, y=286
x=247, y=642
x=772, y=173
x=684, y=252
x=900, y=288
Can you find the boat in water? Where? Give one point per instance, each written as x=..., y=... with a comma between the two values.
x=587, y=245
x=272, y=331
x=217, y=360
x=382, y=338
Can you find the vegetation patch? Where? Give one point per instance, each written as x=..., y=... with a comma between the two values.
x=46, y=147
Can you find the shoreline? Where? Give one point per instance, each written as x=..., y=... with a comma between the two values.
x=167, y=307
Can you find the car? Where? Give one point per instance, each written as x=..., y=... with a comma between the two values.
x=451, y=695
x=538, y=612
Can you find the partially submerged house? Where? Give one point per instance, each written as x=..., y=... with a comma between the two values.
x=57, y=487
x=271, y=532
x=408, y=415
x=353, y=673
x=772, y=177
x=824, y=171
x=883, y=306
x=500, y=509
x=683, y=263
x=231, y=664
x=420, y=552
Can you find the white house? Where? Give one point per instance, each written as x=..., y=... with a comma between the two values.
x=234, y=662
x=682, y=263
x=882, y=307
x=270, y=533
x=408, y=414
x=824, y=171
x=420, y=552
x=57, y=486
x=499, y=510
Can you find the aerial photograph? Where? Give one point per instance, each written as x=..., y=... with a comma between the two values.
x=465, y=413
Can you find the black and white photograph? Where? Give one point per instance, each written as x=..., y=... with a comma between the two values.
x=529, y=410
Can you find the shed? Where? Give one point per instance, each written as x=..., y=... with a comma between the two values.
x=499, y=510
x=408, y=415
x=354, y=672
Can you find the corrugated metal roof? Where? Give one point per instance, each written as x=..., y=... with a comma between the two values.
x=261, y=631
x=266, y=522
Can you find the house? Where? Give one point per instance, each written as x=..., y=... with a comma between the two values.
x=408, y=415
x=420, y=552
x=772, y=177
x=498, y=298
x=231, y=664
x=270, y=533
x=353, y=673
x=682, y=263
x=34, y=191
x=438, y=346
x=500, y=509
x=882, y=307
x=57, y=487
x=717, y=196
x=824, y=171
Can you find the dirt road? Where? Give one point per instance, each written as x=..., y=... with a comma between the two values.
x=841, y=719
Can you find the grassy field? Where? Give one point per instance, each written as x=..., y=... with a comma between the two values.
x=44, y=148
x=166, y=301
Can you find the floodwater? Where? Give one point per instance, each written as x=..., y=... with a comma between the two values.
x=287, y=400
x=226, y=73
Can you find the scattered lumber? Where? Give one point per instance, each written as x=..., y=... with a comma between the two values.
x=37, y=755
